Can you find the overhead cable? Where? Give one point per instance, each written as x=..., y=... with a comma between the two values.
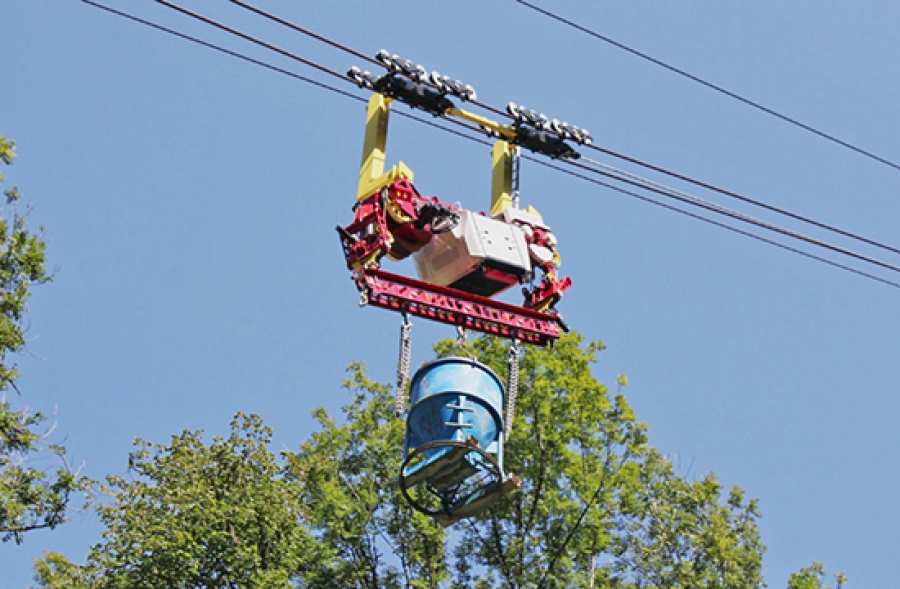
x=337, y=45
x=628, y=178
x=682, y=177
x=253, y=39
x=716, y=208
x=710, y=221
x=305, y=31
x=224, y=50
x=710, y=85
x=746, y=199
x=667, y=191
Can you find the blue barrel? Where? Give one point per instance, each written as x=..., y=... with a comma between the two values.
x=452, y=399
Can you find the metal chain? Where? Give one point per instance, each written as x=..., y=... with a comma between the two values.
x=403, y=365
x=512, y=385
x=516, y=171
x=462, y=341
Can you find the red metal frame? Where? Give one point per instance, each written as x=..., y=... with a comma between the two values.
x=448, y=305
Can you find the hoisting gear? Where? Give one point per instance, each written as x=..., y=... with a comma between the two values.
x=459, y=414
x=391, y=218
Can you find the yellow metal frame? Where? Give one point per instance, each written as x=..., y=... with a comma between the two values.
x=505, y=131
x=502, y=160
x=372, y=176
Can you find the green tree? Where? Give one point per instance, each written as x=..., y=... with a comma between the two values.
x=196, y=515
x=671, y=532
x=598, y=506
x=30, y=498
x=348, y=477
x=813, y=577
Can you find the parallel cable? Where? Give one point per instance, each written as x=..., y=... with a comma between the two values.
x=713, y=207
x=710, y=85
x=711, y=221
x=682, y=177
x=663, y=190
x=652, y=186
x=361, y=55
x=289, y=73
x=253, y=39
x=305, y=31
x=342, y=47
x=745, y=199
x=224, y=50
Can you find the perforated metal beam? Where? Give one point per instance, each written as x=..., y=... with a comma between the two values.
x=454, y=307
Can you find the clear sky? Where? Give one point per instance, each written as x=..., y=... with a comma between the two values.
x=190, y=201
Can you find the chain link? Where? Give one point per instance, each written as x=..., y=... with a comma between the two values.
x=462, y=342
x=512, y=385
x=403, y=365
x=516, y=171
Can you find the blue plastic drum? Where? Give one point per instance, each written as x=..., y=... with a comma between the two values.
x=453, y=399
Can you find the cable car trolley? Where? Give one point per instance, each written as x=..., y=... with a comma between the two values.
x=460, y=412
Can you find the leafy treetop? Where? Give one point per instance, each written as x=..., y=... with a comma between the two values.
x=30, y=498
x=598, y=506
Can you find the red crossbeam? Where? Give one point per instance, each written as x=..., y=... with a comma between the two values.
x=448, y=305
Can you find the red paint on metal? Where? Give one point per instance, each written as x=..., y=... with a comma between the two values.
x=447, y=305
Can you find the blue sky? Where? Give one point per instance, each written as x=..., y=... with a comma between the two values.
x=190, y=201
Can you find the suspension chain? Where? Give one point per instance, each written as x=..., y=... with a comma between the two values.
x=516, y=171
x=512, y=385
x=403, y=365
x=462, y=341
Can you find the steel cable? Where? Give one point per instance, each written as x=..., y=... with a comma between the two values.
x=497, y=111
x=349, y=50
x=305, y=31
x=746, y=199
x=648, y=185
x=713, y=222
x=710, y=85
x=253, y=39
x=710, y=206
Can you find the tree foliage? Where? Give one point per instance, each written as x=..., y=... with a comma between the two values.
x=813, y=577
x=598, y=506
x=30, y=497
x=348, y=476
x=196, y=515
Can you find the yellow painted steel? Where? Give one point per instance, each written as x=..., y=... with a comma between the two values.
x=501, y=176
x=502, y=156
x=372, y=176
x=504, y=131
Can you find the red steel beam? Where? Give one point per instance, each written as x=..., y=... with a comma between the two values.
x=448, y=305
